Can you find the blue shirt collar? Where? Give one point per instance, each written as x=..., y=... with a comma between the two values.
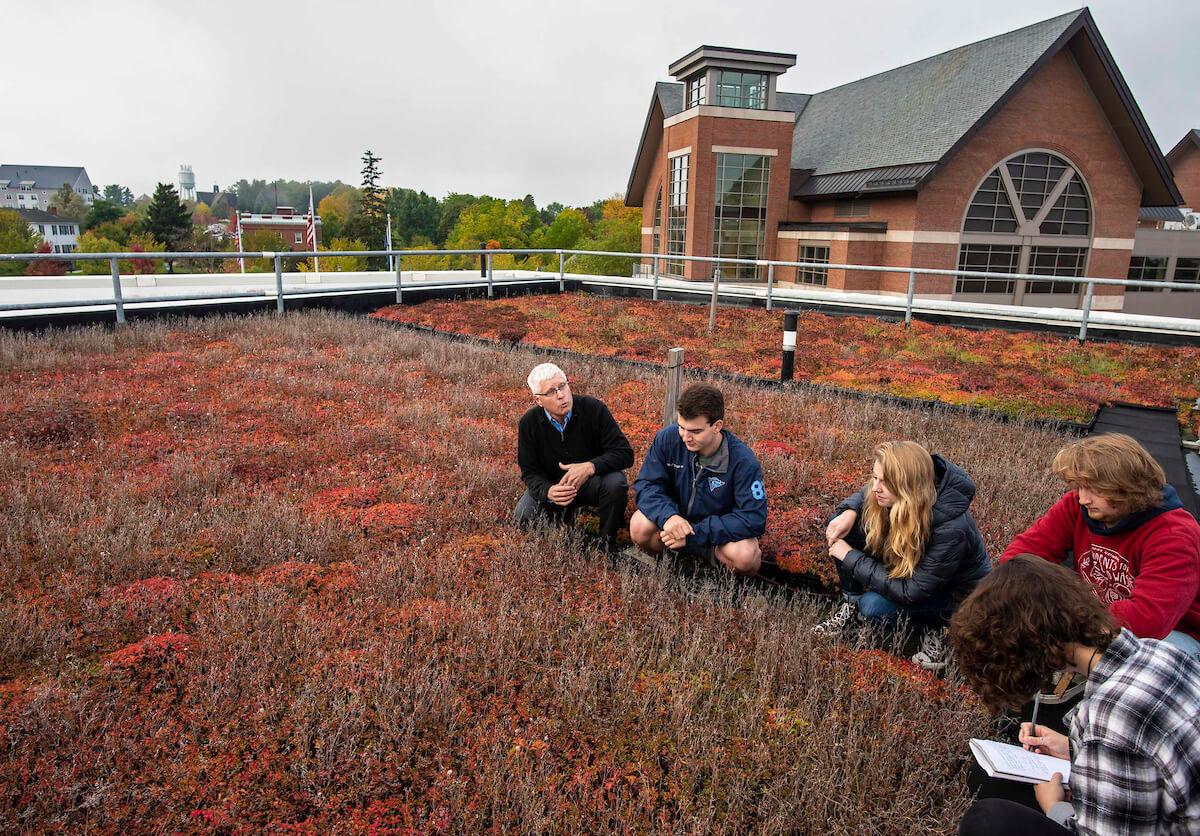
x=566, y=420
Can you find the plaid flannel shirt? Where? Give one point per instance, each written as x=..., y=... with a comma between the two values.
x=1135, y=742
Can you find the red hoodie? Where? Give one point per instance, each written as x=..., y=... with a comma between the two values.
x=1146, y=567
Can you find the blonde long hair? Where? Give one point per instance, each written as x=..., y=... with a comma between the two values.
x=898, y=534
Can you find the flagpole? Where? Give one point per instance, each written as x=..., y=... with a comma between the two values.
x=391, y=263
x=312, y=220
x=237, y=215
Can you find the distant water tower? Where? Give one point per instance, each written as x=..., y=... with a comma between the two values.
x=187, y=183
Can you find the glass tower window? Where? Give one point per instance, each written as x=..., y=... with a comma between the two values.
x=738, y=89
x=677, y=213
x=740, y=215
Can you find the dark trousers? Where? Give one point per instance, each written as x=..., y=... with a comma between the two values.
x=607, y=494
x=1000, y=817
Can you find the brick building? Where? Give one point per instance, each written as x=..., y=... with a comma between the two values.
x=284, y=221
x=1022, y=153
x=1167, y=244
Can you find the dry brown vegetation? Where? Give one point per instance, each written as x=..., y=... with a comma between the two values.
x=259, y=576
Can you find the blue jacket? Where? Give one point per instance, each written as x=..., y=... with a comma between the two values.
x=724, y=503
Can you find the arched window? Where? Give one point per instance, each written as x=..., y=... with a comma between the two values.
x=1031, y=214
x=657, y=220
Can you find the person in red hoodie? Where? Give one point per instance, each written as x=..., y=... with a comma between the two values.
x=1131, y=538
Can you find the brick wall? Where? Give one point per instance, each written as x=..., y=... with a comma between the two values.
x=1187, y=176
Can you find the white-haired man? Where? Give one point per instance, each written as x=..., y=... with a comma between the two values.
x=572, y=454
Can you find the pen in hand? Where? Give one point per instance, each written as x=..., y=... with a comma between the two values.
x=1037, y=703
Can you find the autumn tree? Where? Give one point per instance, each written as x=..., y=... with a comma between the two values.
x=49, y=267
x=618, y=230
x=168, y=220
x=15, y=237
x=67, y=204
x=338, y=263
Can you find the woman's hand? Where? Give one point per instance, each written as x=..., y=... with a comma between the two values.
x=840, y=526
x=839, y=550
x=1045, y=741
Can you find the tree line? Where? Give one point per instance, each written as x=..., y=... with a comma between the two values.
x=352, y=218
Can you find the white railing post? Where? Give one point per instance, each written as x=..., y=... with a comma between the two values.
x=654, y=294
x=712, y=305
x=118, y=299
x=278, y=284
x=1087, y=310
x=912, y=286
x=770, y=282
x=491, y=292
x=399, y=279
x=562, y=271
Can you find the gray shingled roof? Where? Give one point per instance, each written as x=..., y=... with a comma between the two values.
x=37, y=216
x=670, y=97
x=43, y=176
x=1160, y=213
x=916, y=113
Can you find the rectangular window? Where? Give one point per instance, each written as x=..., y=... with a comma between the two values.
x=1056, y=261
x=696, y=94
x=852, y=208
x=299, y=238
x=740, y=213
x=986, y=258
x=813, y=275
x=677, y=212
x=67, y=248
x=1148, y=268
x=737, y=89
x=1187, y=270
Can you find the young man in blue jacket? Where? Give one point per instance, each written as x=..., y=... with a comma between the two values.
x=701, y=489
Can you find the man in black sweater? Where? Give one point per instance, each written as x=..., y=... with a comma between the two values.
x=572, y=454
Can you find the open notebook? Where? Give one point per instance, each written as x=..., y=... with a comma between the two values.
x=1013, y=763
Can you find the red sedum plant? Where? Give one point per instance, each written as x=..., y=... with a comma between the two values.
x=1020, y=374
x=260, y=578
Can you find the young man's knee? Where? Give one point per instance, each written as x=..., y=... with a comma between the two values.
x=743, y=557
x=642, y=531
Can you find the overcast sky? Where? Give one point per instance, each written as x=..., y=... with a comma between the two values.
x=503, y=98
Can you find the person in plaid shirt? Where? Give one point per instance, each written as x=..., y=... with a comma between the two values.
x=1134, y=741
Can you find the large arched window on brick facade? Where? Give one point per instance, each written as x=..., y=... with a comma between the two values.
x=1031, y=214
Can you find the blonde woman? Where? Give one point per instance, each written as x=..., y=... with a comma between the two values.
x=906, y=546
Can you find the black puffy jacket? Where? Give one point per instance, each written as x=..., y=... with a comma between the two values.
x=955, y=558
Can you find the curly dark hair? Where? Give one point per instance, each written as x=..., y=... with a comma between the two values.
x=1011, y=634
x=702, y=399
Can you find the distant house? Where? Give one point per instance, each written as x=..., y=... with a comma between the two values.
x=222, y=204
x=62, y=234
x=285, y=221
x=1021, y=153
x=32, y=186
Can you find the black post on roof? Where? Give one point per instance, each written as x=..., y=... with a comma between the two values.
x=789, y=346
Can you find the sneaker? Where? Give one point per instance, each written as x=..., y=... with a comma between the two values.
x=844, y=617
x=932, y=655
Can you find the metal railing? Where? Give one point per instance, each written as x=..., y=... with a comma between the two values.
x=396, y=257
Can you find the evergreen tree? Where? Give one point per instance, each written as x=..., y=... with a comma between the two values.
x=168, y=220
x=372, y=194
